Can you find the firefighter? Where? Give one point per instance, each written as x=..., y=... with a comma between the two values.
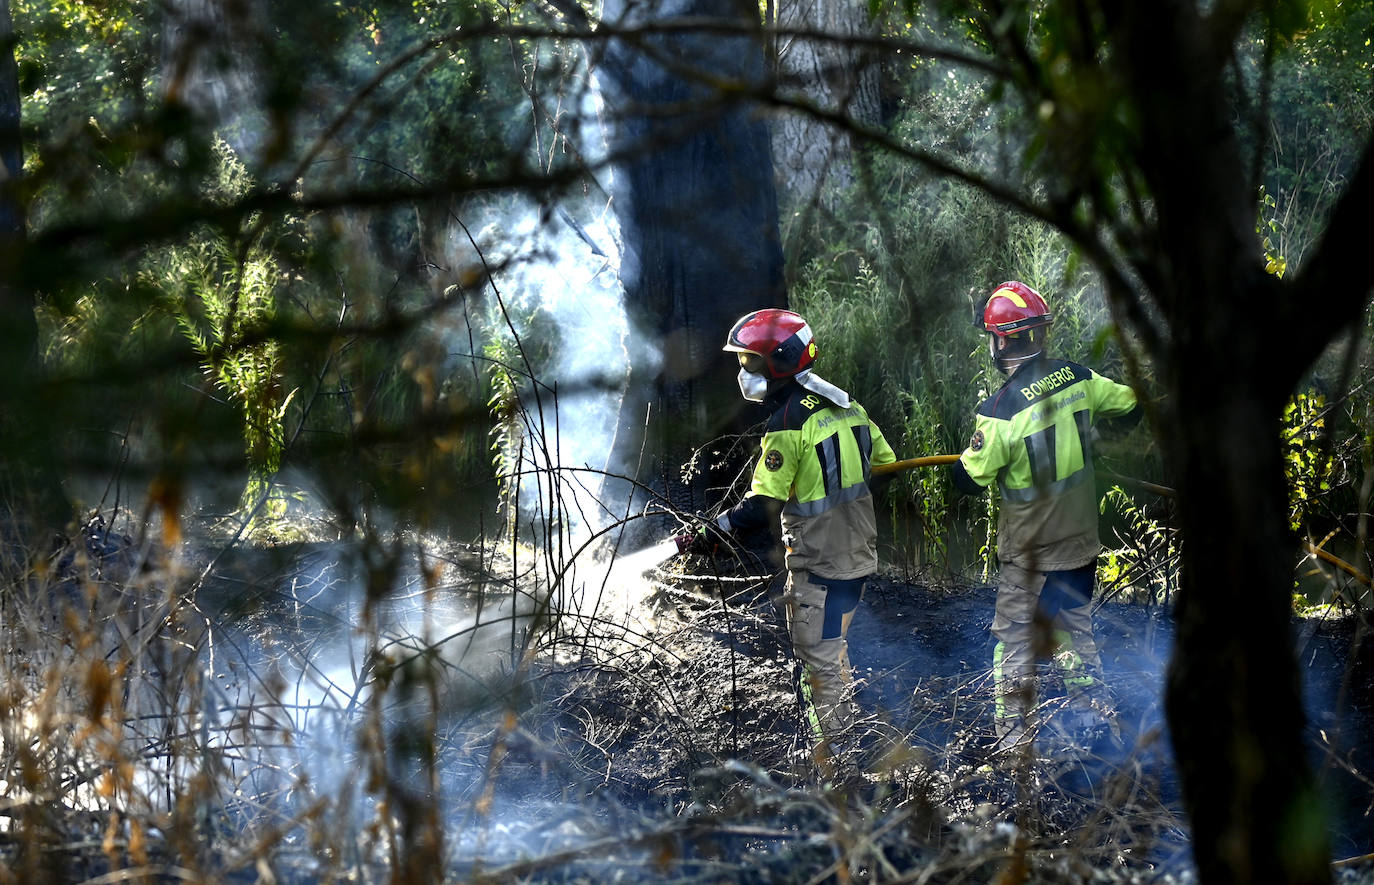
x=813, y=474
x=1034, y=437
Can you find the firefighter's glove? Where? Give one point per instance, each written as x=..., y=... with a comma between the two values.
x=705, y=536
x=701, y=541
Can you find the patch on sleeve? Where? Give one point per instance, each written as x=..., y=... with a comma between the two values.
x=976, y=444
x=773, y=460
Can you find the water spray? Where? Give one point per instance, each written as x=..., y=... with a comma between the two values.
x=641, y=561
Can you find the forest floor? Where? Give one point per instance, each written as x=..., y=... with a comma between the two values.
x=704, y=734
x=657, y=736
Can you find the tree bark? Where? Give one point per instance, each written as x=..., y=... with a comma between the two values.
x=695, y=201
x=16, y=302
x=1233, y=693
x=18, y=331
x=813, y=157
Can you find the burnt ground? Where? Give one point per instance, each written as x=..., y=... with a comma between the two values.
x=686, y=758
x=675, y=751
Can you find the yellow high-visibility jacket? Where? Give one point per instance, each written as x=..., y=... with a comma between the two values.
x=1034, y=437
x=815, y=458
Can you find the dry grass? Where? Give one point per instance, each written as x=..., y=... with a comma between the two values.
x=334, y=713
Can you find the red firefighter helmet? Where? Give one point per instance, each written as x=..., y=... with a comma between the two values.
x=772, y=343
x=1014, y=307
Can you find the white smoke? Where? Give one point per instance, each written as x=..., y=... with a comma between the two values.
x=554, y=295
x=562, y=278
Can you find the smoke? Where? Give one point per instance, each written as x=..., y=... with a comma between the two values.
x=555, y=324
x=335, y=693
x=558, y=307
x=555, y=309
x=553, y=321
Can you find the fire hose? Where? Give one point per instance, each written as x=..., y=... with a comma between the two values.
x=909, y=463
x=685, y=541
x=1155, y=488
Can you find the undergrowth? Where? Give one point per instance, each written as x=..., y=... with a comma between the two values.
x=339, y=714
x=398, y=707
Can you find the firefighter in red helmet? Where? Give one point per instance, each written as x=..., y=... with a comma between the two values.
x=1034, y=438
x=813, y=474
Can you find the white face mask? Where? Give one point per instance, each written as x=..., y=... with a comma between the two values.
x=752, y=387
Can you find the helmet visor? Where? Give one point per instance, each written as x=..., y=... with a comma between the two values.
x=751, y=362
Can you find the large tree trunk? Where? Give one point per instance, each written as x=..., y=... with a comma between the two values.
x=1233, y=695
x=814, y=158
x=18, y=331
x=695, y=202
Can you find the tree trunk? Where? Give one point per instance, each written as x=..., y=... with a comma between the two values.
x=813, y=157
x=18, y=332
x=695, y=202
x=1233, y=695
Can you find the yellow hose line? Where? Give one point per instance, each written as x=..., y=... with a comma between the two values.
x=1306, y=545
x=1163, y=491
x=927, y=461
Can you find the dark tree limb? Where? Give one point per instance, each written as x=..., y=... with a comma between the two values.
x=1337, y=275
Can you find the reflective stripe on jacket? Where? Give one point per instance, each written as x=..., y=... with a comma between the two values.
x=816, y=458
x=1034, y=437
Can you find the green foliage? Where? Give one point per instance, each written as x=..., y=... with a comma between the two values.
x=223, y=298
x=1307, y=461
x=521, y=344
x=1321, y=114
x=1144, y=567
x=467, y=94
x=928, y=488
x=1306, y=608
x=253, y=299
x=987, y=552
x=78, y=54
x=1269, y=228
x=1327, y=445
x=506, y=436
